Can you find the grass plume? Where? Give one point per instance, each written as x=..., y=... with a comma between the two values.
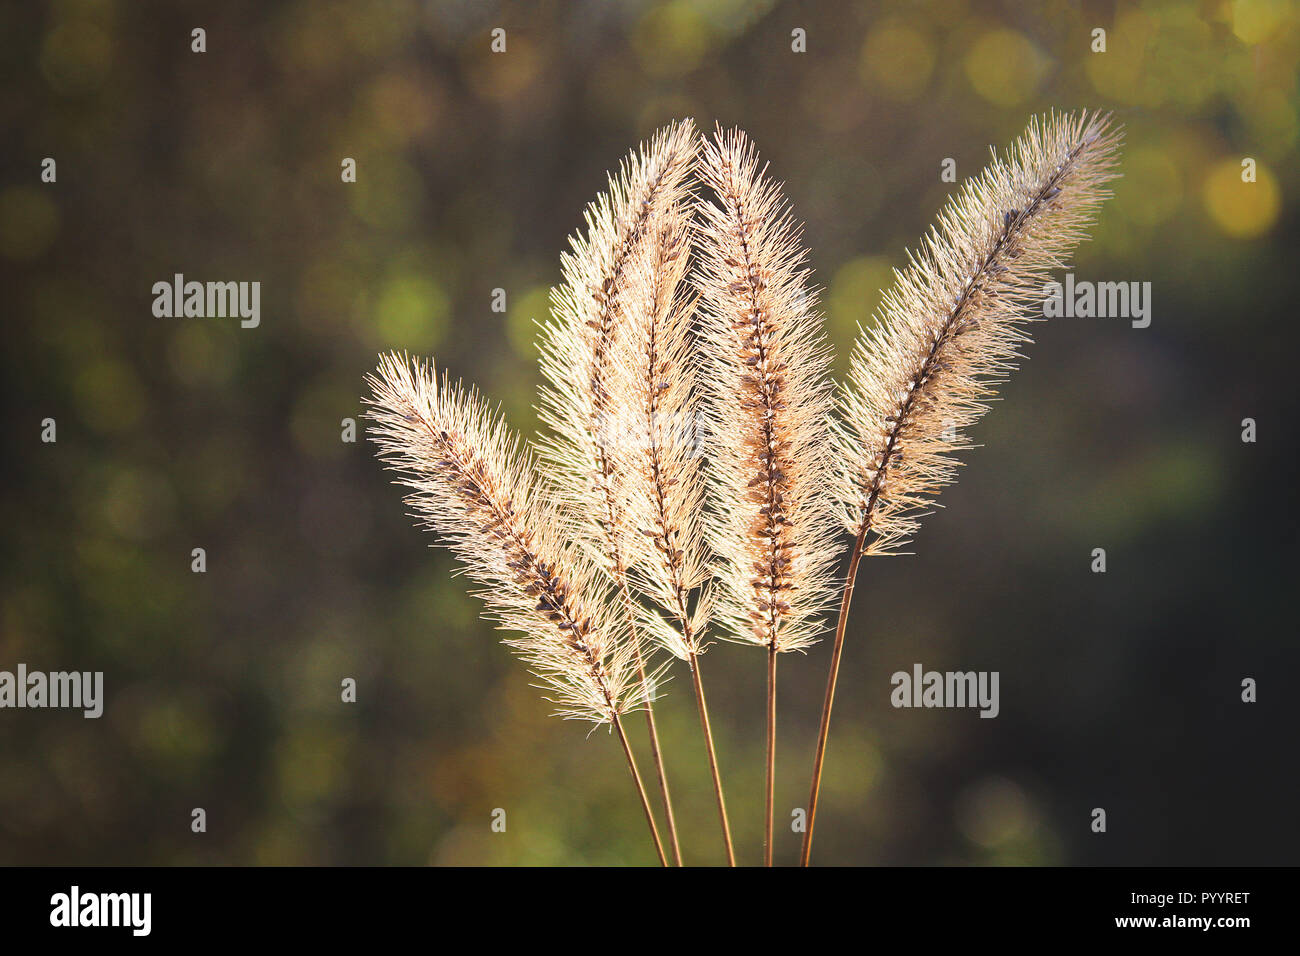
x=769, y=403
x=578, y=403
x=473, y=484
x=949, y=331
x=657, y=454
x=657, y=458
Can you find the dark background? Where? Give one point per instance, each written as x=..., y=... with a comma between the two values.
x=1119, y=690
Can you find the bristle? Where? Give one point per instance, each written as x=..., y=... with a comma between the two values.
x=473, y=484
x=656, y=443
x=768, y=405
x=950, y=328
x=577, y=404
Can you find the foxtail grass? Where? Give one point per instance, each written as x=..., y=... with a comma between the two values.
x=698, y=471
x=947, y=333
x=472, y=483
x=769, y=400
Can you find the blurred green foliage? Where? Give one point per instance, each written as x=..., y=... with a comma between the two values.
x=1118, y=690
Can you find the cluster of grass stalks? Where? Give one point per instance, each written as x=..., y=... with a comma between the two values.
x=699, y=473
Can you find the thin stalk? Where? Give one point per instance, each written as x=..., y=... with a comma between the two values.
x=836, y=653
x=655, y=752
x=713, y=757
x=1061, y=163
x=620, y=576
x=771, y=752
x=640, y=789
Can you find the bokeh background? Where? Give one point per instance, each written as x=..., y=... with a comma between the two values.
x=1119, y=690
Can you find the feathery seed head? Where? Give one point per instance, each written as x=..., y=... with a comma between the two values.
x=768, y=404
x=473, y=484
x=656, y=453
x=577, y=403
x=950, y=328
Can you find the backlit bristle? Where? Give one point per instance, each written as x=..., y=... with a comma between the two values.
x=951, y=327
x=656, y=451
x=768, y=405
x=473, y=484
x=577, y=403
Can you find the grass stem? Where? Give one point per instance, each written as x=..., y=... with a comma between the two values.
x=713, y=757
x=640, y=789
x=771, y=752
x=836, y=654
